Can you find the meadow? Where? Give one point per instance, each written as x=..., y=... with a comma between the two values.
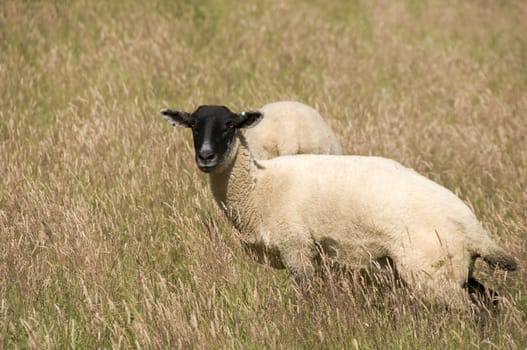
x=109, y=236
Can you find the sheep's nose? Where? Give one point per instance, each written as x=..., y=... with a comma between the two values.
x=207, y=160
x=206, y=156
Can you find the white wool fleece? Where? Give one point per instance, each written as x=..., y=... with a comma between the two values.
x=358, y=209
x=288, y=128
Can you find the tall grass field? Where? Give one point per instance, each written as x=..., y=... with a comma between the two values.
x=109, y=235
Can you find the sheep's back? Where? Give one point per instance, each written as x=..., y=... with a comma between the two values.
x=357, y=197
x=291, y=128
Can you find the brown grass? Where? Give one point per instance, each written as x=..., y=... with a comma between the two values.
x=109, y=237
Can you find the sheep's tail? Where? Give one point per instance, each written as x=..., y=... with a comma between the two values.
x=496, y=257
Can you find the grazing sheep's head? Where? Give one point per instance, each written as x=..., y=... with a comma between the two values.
x=214, y=130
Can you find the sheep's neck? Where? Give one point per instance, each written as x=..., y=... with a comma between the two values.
x=233, y=187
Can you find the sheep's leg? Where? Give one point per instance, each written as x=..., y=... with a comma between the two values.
x=447, y=293
x=480, y=295
x=438, y=274
x=439, y=288
x=299, y=261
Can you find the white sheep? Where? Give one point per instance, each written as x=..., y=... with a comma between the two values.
x=354, y=210
x=291, y=127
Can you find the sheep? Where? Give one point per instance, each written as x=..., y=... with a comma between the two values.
x=301, y=131
x=353, y=211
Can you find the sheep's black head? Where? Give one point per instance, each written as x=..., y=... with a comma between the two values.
x=214, y=130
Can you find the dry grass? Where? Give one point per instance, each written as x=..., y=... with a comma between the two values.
x=108, y=234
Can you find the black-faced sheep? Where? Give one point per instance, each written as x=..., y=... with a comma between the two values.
x=357, y=209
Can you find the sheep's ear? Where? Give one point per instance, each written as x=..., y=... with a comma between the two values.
x=176, y=118
x=249, y=119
